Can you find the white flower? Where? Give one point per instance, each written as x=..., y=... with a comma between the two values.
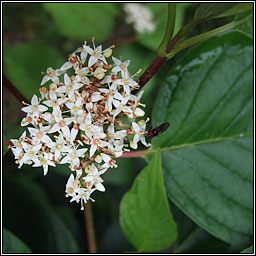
x=31, y=153
x=59, y=147
x=109, y=162
x=17, y=147
x=94, y=178
x=39, y=135
x=69, y=87
x=53, y=75
x=54, y=102
x=96, y=54
x=72, y=62
x=44, y=161
x=140, y=16
x=76, y=108
x=139, y=134
x=121, y=106
x=96, y=142
x=61, y=124
x=120, y=66
x=34, y=108
x=73, y=156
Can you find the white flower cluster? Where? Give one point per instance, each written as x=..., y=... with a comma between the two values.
x=140, y=16
x=86, y=120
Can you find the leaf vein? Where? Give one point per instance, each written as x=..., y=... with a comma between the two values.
x=218, y=104
x=196, y=94
x=206, y=213
x=233, y=171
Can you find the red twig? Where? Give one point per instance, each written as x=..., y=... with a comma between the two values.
x=90, y=228
x=7, y=83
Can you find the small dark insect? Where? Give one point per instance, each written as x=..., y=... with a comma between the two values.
x=157, y=130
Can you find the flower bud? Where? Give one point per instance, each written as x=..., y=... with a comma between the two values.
x=108, y=52
x=139, y=112
x=99, y=73
x=98, y=159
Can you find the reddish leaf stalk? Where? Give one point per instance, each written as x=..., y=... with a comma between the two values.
x=90, y=228
x=134, y=154
x=7, y=83
x=150, y=71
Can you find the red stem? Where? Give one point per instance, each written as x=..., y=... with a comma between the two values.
x=134, y=154
x=7, y=83
x=90, y=228
x=150, y=71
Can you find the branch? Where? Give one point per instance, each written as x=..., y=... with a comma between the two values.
x=90, y=228
x=7, y=83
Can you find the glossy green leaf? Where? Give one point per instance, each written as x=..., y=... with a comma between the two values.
x=82, y=21
x=211, y=10
x=24, y=63
x=145, y=216
x=248, y=250
x=207, y=151
x=12, y=244
x=27, y=212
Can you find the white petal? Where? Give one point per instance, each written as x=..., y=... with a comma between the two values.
x=66, y=131
x=46, y=139
x=106, y=158
x=96, y=97
x=32, y=131
x=27, y=109
x=92, y=61
x=65, y=160
x=67, y=80
x=55, y=128
x=99, y=187
x=76, y=161
x=45, y=169
x=136, y=138
x=46, y=78
x=80, y=152
x=73, y=133
x=118, y=96
x=42, y=108
x=55, y=79
x=93, y=149
x=34, y=100
x=66, y=65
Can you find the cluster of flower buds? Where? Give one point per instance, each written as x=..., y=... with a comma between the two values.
x=85, y=118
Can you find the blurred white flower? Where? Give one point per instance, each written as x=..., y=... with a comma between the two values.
x=140, y=16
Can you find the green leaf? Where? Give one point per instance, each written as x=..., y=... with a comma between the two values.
x=237, y=8
x=82, y=21
x=207, y=151
x=12, y=244
x=211, y=10
x=24, y=63
x=29, y=215
x=248, y=250
x=145, y=216
x=247, y=27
